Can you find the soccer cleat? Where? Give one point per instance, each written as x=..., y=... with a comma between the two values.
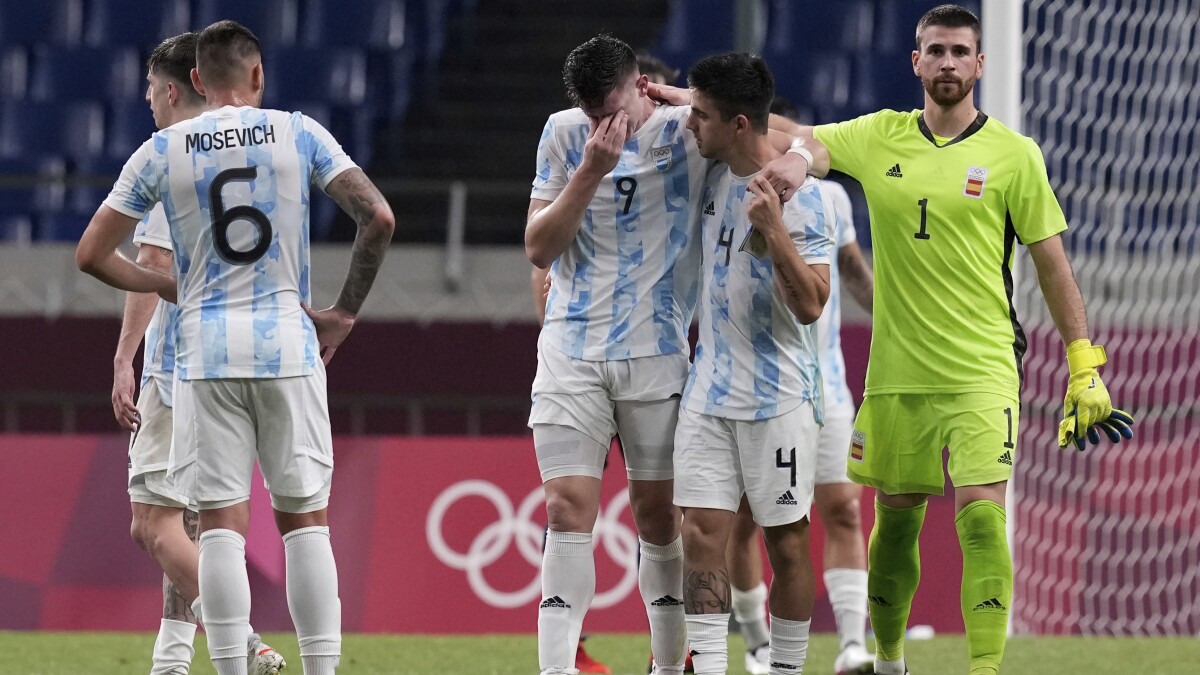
x=854, y=660
x=758, y=660
x=261, y=658
x=586, y=664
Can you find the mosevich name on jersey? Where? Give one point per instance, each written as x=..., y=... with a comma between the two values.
x=230, y=138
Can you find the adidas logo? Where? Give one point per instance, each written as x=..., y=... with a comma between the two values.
x=879, y=600
x=554, y=602
x=710, y=209
x=666, y=601
x=1006, y=458
x=786, y=498
x=894, y=172
x=784, y=666
x=992, y=605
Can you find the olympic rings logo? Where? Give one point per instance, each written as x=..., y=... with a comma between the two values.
x=516, y=526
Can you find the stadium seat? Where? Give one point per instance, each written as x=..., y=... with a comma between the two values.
x=28, y=22
x=337, y=75
x=135, y=22
x=94, y=178
x=61, y=226
x=73, y=130
x=86, y=74
x=379, y=24
x=16, y=229
x=42, y=189
x=129, y=125
x=273, y=22
x=14, y=72
x=695, y=29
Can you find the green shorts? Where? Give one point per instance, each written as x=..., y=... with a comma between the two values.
x=897, y=442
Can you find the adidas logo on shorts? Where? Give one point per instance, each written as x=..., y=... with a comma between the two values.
x=554, y=602
x=1006, y=458
x=786, y=499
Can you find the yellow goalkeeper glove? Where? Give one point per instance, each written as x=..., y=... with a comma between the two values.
x=1087, y=406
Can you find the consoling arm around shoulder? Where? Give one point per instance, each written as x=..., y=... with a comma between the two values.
x=1060, y=288
x=97, y=255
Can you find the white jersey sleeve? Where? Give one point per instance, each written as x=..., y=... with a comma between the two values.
x=754, y=359
x=158, y=361
x=829, y=333
x=626, y=286
x=235, y=185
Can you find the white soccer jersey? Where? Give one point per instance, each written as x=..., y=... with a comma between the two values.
x=235, y=185
x=626, y=286
x=754, y=359
x=158, y=358
x=829, y=326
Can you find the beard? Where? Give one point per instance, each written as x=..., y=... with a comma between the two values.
x=940, y=96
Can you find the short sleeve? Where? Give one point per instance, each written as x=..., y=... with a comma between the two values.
x=843, y=213
x=810, y=226
x=1032, y=206
x=551, y=176
x=154, y=229
x=849, y=143
x=325, y=155
x=136, y=189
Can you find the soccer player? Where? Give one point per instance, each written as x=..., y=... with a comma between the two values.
x=752, y=408
x=951, y=191
x=158, y=511
x=835, y=496
x=235, y=183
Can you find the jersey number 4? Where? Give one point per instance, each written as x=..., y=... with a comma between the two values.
x=222, y=218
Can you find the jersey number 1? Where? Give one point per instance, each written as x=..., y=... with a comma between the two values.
x=922, y=234
x=222, y=219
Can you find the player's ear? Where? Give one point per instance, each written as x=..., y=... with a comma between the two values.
x=256, y=78
x=916, y=59
x=642, y=84
x=196, y=82
x=172, y=94
x=741, y=124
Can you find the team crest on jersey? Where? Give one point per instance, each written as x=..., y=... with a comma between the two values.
x=662, y=157
x=858, y=445
x=976, y=177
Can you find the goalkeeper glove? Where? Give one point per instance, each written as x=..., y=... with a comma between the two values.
x=1087, y=408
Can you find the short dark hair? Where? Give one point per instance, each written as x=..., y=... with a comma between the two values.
x=593, y=69
x=652, y=65
x=951, y=16
x=221, y=48
x=174, y=58
x=738, y=84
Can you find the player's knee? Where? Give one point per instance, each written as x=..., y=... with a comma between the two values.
x=139, y=531
x=787, y=545
x=569, y=512
x=843, y=515
x=704, y=535
x=655, y=514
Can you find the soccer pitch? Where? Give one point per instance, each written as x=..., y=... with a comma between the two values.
x=626, y=654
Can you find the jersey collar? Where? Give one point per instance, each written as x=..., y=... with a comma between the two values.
x=980, y=119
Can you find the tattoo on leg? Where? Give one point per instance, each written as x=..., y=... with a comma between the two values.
x=174, y=606
x=706, y=592
x=191, y=525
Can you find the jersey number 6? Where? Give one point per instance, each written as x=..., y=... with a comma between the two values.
x=223, y=218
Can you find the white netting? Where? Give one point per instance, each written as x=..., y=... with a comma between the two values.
x=1108, y=541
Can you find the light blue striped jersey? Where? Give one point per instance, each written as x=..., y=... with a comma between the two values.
x=754, y=359
x=626, y=286
x=829, y=326
x=235, y=185
x=158, y=358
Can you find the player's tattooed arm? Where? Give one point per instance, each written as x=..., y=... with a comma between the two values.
x=359, y=198
x=706, y=592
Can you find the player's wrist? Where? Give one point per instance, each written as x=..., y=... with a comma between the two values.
x=797, y=148
x=1083, y=355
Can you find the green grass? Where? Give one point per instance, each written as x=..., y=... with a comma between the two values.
x=129, y=654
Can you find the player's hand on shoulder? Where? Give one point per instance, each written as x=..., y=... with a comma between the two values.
x=122, y=397
x=605, y=143
x=786, y=174
x=665, y=93
x=333, y=325
x=765, y=211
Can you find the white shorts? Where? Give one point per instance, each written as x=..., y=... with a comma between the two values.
x=281, y=422
x=771, y=461
x=149, y=452
x=833, y=450
x=601, y=399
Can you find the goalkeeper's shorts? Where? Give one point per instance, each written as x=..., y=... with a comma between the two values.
x=897, y=443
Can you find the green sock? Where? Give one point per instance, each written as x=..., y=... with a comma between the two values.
x=986, y=584
x=894, y=561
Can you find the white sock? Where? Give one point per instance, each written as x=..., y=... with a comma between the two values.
x=173, y=649
x=660, y=579
x=848, y=594
x=708, y=637
x=312, y=593
x=750, y=610
x=225, y=588
x=568, y=584
x=197, y=612
x=789, y=646
x=889, y=667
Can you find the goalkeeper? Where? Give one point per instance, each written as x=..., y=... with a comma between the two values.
x=950, y=191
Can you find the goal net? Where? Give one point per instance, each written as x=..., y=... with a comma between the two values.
x=1107, y=541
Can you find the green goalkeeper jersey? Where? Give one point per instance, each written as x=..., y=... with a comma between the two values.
x=945, y=214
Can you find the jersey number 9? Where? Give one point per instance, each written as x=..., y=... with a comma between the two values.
x=223, y=218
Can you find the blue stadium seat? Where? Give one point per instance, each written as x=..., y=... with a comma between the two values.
x=94, y=178
x=14, y=72
x=695, y=29
x=379, y=24
x=86, y=74
x=43, y=191
x=272, y=21
x=28, y=22
x=73, y=130
x=830, y=88
x=129, y=125
x=337, y=76
x=135, y=22
x=61, y=226
x=16, y=229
